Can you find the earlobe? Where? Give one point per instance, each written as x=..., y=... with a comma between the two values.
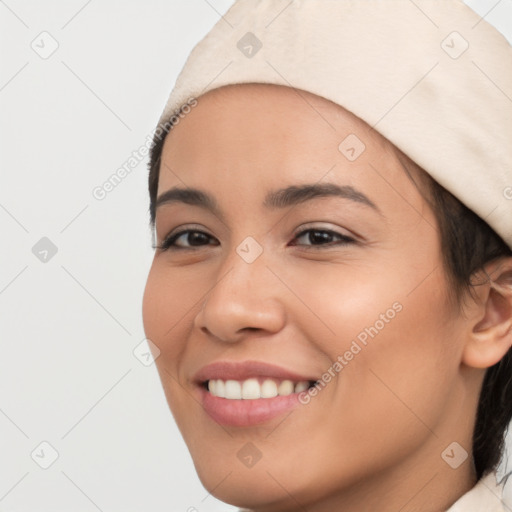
x=490, y=335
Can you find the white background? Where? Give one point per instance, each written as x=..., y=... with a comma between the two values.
x=69, y=326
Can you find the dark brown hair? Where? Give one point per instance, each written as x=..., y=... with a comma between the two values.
x=467, y=243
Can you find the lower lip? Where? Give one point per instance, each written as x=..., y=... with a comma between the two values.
x=245, y=413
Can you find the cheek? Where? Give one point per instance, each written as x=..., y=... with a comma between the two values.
x=167, y=309
x=166, y=323
x=393, y=340
x=154, y=307
x=398, y=366
x=406, y=357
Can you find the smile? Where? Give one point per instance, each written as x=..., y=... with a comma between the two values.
x=255, y=388
x=247, y=393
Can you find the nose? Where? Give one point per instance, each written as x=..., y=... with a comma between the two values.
x=244, y=297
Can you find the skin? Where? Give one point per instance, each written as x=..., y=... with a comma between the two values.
x=372, y=439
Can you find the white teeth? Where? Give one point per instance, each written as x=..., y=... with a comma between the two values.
x=233, y=390
x=251, y=389
x=285, y=388
x=220, y=388
x=268, y=389
x=301, y=386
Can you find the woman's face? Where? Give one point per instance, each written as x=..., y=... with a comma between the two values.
x=270, y=287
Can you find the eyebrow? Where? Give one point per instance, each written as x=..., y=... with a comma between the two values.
x=275, y=199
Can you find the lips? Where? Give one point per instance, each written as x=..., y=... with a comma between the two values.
x=250, y=392
x=226, y=370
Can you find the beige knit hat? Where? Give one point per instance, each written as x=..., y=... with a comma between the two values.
x=431, y=76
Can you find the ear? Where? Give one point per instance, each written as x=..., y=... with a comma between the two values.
x=490, y=315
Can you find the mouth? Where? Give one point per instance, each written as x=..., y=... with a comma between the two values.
x=255, y=388
x=249, y=393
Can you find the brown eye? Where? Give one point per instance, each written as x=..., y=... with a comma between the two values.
x=323, y=237
x=193, y=238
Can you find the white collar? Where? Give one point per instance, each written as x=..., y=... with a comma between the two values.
x=486, y=495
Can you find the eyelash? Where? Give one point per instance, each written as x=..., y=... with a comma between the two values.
x=168, y=243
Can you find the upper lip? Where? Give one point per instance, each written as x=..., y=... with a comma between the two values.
x=229, y=370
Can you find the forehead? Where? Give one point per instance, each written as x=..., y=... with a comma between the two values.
x=265, y=120
x=242, y=138
x=277, y=107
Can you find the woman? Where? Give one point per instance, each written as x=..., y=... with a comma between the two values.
x=331, y=293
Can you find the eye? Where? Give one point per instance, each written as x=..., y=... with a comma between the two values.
x=322, y=237
x=193, y=237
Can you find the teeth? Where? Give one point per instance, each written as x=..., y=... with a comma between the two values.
x=251, y=389
x=285, y=388
x=233, y=390
x=268, y=389
x=220, y=387
x=301, y=386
